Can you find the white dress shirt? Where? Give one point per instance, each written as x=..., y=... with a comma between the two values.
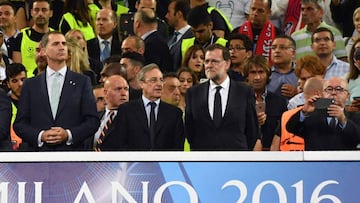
x=224, y=92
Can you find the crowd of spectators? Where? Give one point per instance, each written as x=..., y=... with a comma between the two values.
x=181, y=75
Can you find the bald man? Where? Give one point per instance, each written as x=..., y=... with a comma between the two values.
x=116, y=92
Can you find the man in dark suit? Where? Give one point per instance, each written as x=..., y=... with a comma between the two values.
x=5, y=120
x=156, y=49
x=106, y=43
x=220, y=113
x=332, y=128
x=147, y=123
x=57, y=110
x=269, y=106
x=176, y=18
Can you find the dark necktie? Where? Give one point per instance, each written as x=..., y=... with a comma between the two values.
x=152, y=124
x=104, y=130
x=217, y=116
x=173, y=39
x=106, y=51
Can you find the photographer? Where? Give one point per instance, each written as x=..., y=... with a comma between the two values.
x=332, y=129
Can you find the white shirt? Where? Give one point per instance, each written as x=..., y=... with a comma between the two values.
x=224, y=92
x=182, y=32
x=102, y=45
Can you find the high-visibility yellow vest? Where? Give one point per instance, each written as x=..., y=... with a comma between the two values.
x=228, y=24
x=87, y=29
x=187, y=43
x=94, y=9
x=28, y=51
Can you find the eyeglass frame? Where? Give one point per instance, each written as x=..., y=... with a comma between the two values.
x=338, y=89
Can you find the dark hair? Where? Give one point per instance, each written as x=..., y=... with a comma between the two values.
x=8, y=3
x=181, y=5
x=225, y=51
x=115, y=58
x=293, y=43
x=170, y=75
x=259, y=61
x=13, y=70
x=198, y=16
x=113, y=69
x=45, y=39
x=191, y=51
x=134, y=57
x=79, y=9
x=47, y=1
x=322, y=29
x=248, y=44
x=187, y=69
x=316, y=2
x=354, y=72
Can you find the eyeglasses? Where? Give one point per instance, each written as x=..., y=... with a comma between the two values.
x=281, y=47
x=154, y=80
x=237, y=48
x=337, y=89
x=213, y=61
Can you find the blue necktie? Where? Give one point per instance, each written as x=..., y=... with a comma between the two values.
x=173, y=40
x=106, y=51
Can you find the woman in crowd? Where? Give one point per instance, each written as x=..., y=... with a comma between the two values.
x=194, y=59
x=187, y=79
x=351, y=41
x=77, y=16
x=77, y=35
x=353, y=77
x=77, y=60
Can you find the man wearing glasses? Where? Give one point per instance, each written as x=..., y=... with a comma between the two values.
x=220, y=113
x=240, y=48
x=283, y=80
x=335, y=130
x=147, y=123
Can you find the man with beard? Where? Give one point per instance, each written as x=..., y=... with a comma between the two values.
x=40, y=59
x=220, y=113
x=25, y=48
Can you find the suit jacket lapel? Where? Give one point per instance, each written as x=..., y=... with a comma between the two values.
x=141, y=114
x=67, y=90
x=204, y=102
x=44, y=94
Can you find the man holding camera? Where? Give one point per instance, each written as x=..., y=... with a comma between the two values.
x=334, y=130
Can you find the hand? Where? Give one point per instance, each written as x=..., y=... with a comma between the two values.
x=337, y=112
x=355, y=105
x=261, y=118
x=288, y=90
x=55, y=135
x=309, y=105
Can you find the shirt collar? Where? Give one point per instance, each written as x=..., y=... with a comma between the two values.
x=225, y=84
x=144, y=36
x=50, y=71
x=101, y=39
x=146, y=101
x=184, y=29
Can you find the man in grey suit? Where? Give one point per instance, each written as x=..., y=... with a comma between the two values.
x=220, y=113
x=57, y=110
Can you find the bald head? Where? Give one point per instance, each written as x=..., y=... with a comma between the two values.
x=116, y=90
x=313, y=86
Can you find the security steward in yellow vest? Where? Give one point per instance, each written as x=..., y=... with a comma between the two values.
x=220, y=21
x=26, y=44
x=202, y=26
x=68, y=22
